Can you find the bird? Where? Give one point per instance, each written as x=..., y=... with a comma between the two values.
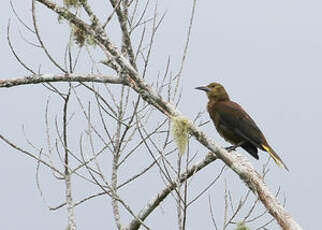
x=235, y=125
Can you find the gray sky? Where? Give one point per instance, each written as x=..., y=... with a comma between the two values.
x=267, y=54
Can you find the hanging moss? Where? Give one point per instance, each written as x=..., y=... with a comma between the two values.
x=241, y=226
x=81, y=38
x=78, y=35
x=179, y=129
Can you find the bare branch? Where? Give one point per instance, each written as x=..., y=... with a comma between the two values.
x=212, y=213
x=41, y=41
x=14, y=52
x=185, y=52
x=211, y=184
x=45, y=78
x=39, y=160
x=145, y=212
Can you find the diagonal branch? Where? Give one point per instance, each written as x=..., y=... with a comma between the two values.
x=39, y=160
x=146, y=211
x=122, y=16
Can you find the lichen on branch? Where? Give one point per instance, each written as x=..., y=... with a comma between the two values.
x=180, y=128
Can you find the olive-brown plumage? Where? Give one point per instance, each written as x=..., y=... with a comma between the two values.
x=235, y=125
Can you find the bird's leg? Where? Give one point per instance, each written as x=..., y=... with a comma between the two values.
x=233, y=147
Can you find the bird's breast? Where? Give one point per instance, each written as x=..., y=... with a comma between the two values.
x=228, y=134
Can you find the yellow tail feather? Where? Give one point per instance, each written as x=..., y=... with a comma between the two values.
x=275, y=157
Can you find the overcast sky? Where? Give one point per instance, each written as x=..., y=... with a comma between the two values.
x=267, y=54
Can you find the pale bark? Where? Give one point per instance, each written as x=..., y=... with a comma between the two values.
x=43, y=78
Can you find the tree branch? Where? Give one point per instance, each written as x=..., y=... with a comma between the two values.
x=44, y=78
x=145, y=212
x=67, y=177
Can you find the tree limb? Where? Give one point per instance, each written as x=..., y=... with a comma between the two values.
x=145, y=212
x=44, y=78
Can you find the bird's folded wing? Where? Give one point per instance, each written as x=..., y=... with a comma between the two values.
x=234, y=118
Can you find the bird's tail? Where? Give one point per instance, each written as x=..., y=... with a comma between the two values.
x=275, y=157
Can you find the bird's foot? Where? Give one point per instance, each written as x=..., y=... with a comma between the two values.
x=231, y=148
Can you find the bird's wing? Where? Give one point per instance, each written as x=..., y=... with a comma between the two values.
x=234, y=118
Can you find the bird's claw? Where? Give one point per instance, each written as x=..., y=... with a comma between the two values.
x=231, y=148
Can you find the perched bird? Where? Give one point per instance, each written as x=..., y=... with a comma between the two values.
x=235, y=125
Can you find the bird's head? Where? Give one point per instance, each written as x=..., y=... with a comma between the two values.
x=215, y=91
